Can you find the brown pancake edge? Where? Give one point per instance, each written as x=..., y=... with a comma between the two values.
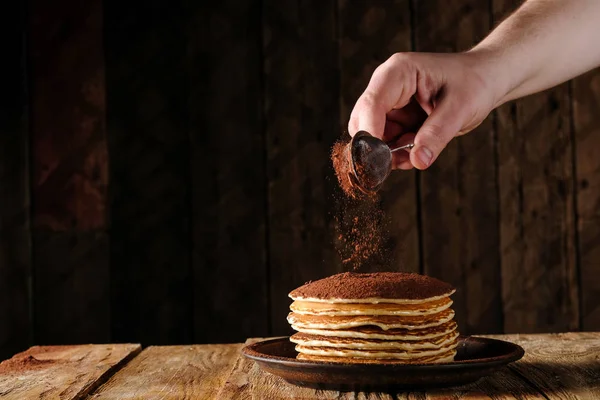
x=357, y=343
x=442, y=358
x=383, y=321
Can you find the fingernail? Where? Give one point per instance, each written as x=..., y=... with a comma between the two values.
x=424, y=155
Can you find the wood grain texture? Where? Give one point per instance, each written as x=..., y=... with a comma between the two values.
x=537, y=230
x=301, y=111
x=173, y=372
x=71, y=287
x=69, y=154
x=148, y=138
x=15, y=247
x=562, y=366
x=370, y=32
x=459, y=197
x=247, y=381
x=65, y=372
x=502, y=385
x=586, y=121
x=228, y=177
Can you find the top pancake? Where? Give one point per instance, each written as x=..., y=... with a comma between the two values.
x=377, y=287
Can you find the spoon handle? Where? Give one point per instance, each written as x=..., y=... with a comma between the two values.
x=405, y=147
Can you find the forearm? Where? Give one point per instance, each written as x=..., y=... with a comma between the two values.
x=544, y=43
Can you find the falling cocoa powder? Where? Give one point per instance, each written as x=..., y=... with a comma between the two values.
x=360, y=220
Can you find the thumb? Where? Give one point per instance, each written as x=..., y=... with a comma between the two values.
x=439, y=128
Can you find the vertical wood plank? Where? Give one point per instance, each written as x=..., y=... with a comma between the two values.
x=586, y=102
x=148, y=138
x=301, y=111
x=370, y=32
x=459, y=196
x=228, y=171
x=69, y=158
x=69, y=171
x=15, y=249
x=71, y=287
x=537, y=231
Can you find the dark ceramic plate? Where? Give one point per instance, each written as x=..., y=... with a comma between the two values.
x=476, y=357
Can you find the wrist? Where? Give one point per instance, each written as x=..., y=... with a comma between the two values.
x=493, y=71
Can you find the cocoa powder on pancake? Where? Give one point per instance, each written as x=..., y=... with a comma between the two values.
x=386, y=285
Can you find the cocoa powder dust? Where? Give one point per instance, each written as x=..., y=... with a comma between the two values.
x=360, y=220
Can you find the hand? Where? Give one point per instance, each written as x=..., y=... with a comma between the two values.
x=427, y=99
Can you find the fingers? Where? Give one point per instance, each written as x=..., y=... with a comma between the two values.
x=368, y=115
x=443, y=124
x=411, y=117
x=392, y=85
x=392, y=131
x=402, y=161
x=401, y=158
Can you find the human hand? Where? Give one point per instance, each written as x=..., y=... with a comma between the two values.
x=427, y=99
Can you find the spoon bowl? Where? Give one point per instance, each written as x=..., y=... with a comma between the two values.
x=371, y=160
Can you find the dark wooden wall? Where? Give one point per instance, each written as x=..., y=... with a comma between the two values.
x=165, y=174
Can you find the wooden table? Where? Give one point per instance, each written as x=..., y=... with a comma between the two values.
x=556, y=366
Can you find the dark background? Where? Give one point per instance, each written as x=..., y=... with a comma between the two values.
x=165, y=174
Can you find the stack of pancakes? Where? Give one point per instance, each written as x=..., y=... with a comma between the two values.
x=385, y=317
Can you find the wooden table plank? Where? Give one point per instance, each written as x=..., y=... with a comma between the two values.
x=502, y=385
x=65, y=372
x=565, y=366
x=172, y=372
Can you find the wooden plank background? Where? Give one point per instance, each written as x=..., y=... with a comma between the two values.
x=165, y=172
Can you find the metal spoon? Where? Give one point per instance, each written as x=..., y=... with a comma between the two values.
x=371, y=160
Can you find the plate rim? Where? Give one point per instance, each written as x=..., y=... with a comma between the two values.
x=249, y=351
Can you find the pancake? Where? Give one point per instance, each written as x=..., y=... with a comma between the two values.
x=384, y=317
x=442, y=358
x=379, y=287
x=373, y=332
x=379, y=354
x=306, y=339
x=412, y=309
x=384, y=322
